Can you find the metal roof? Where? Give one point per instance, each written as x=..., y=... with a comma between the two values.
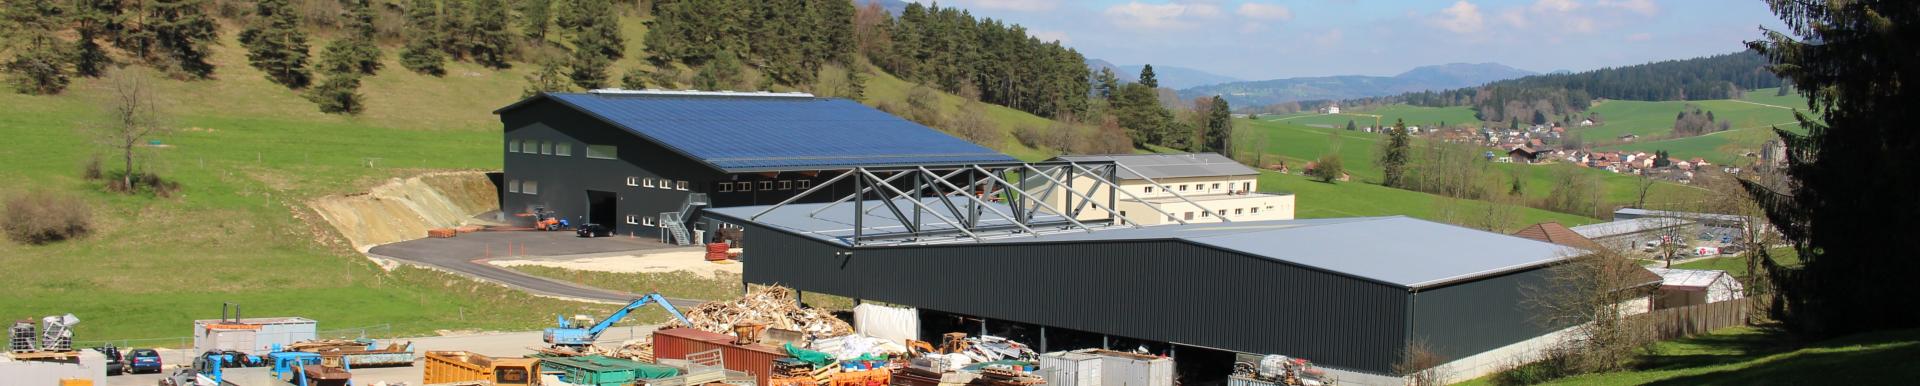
x=1701, y=278
x=1170, y=165
x=1642, y=213
x=1616, y=228
x=750, y=132
x=1395, y=250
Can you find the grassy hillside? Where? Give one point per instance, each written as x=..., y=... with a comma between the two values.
x=885, y=87
x=1753, y=356
x=1315, y=199
x=1299, y=144
x=1727, y=147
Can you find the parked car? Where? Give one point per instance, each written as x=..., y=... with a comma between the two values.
x=114, y=364
x=593, y=230
x=144, y=360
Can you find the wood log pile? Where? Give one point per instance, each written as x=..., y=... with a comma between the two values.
x=774, y=306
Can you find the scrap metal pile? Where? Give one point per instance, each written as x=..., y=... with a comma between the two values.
x=774, y=306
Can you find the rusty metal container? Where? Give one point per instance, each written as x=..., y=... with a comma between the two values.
x=755, y=359
x=462, y=366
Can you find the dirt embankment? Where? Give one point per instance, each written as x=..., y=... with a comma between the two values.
x=404, y=209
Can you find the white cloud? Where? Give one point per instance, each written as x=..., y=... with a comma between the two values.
x=1516, y=17
x=1263, y=11
x=1162, y=16
x=1329, y=39
x=1463, y=17
x=1004, y=5
x=1644, y=7
x=1640, y=37
x=1561, y=6
x=1051, y=35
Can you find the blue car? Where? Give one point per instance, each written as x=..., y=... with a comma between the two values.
x=143, y=360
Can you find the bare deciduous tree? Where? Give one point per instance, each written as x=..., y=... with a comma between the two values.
x=1421, y=366
x=132, y=115
x=1586, y=294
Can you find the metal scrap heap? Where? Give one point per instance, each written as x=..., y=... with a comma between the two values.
x=774, y=305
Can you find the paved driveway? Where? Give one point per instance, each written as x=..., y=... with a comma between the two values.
x=466, y=255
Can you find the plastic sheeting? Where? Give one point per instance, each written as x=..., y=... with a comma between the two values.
x=895, y=324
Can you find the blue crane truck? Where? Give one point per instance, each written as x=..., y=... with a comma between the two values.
x=569, y=335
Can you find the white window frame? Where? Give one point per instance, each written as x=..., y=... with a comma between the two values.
x=646, y=182
x=680, y=185
x=725, y=187
x=806, y=184
x=546, y=148
x=513, y=186
x=743, y=186
x=766, y=185
x=646, y=220
x=786, y=185
x=530, y=187
x=612, y=152
x=633, y=220
x=514, y=146
x=563, y=149
x=633, y=181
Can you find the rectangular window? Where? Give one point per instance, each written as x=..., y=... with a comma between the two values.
x=632, y=219
x=633, y=181
x=648, y=221
x=1237, y=211
x=513, y=146
x=1216, y=186
x=743, y=186
x=726, y=187
x=806, y=184
x=786, y=185
x=546, y=148
x=1189, y=215
x=1206, y=214
x=1149, y=189
x=766, y=185
x=1255, y=209
x=563, y=149
x=1223, y=213
x=682, y=185
x=602, y=152
x=1246, y=186
x=1183, y=188
x=530, y=187
x=646, y=182
x=513, y=186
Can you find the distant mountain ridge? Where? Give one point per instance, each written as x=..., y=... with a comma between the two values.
x=1174, y=77
x=1434, y=77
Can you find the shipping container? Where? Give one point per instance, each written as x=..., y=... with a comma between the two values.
x=254, y=336
x=756, y=359
x=595, y=370
x=1070, y=369
x=459, y=366
x=1129, y=369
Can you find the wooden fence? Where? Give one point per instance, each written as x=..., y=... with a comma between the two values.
x=1697, y=319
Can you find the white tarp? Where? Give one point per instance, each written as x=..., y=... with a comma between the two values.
x=894, y=324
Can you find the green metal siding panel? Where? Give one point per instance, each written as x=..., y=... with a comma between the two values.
x=1466, y=319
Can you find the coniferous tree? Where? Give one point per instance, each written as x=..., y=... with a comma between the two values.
x=360, y=47
x=635, y=79
x=549, y=77
x=596, y=41
x=1148, y=78
x=456, y=27
x=1220, y=127
x=535, y=15
x=277, y=45
x=422, y=53
x=856, y=85
x=339, y=93
x=665, y=77
x=94, y=20
x=1109, y=83
x=1351, y=126
x=1395, y=152
x=39, y=63
x=179, y=31
x=491, y=40
x=587, y=69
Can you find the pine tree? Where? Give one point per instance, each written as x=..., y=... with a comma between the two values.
x=94, y=20
x=587, y=68
x=1220, y=127
x=361, y=49
x=547, y=78
x=456, y=30
x=39, y=65
x=1109, y=83
x=1148, y=78
x=635, y=79
x=1395, y=152
x=1351, y=126
x=723, y=73
x=277, y=45
x=180, y=31
x=856, y=85
x=340, y=92
x=423, y=53
x=535, y=15
x=491, y=39
x=665, y=76
x=596, y=41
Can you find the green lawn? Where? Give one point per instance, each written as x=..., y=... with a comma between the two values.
x=1737, y=265
x=1298, y=144
x=1315, y=199
x=1755, y=356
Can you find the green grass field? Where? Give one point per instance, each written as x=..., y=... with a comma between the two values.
x=1752, y=119
x=1414, y=115
x=1737, y=265
x=1298, y=144
x=1315, y=199
x=1757, y=356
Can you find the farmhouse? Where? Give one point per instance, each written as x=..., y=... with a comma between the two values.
x=641, y=162
x=1349, y=293
x=1197, y=187
x=1686, y=287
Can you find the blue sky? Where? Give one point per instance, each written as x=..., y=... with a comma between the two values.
x=1265, y=39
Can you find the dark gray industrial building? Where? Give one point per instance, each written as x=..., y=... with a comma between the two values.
x=637, y=160
x=1347, y=293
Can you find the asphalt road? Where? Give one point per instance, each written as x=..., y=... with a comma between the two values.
x=499, y=344
x=466, y=255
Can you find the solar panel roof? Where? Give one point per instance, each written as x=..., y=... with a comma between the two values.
x=748, y=132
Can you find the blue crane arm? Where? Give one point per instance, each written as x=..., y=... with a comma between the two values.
x=594, y=332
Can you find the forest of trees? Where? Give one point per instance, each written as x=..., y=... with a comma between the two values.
x=997, y=62
x=1546, y=98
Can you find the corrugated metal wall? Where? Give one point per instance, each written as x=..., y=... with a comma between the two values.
x=1469, y=318
x=1158, y=290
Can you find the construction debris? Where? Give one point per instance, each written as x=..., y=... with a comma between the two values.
x=773, y=306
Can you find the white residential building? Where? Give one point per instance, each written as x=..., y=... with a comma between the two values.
x=1201, y=187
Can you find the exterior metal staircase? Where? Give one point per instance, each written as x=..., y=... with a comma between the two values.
x=674, y=224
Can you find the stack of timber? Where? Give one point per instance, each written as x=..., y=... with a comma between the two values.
x=441, y=233
x=772, y=306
